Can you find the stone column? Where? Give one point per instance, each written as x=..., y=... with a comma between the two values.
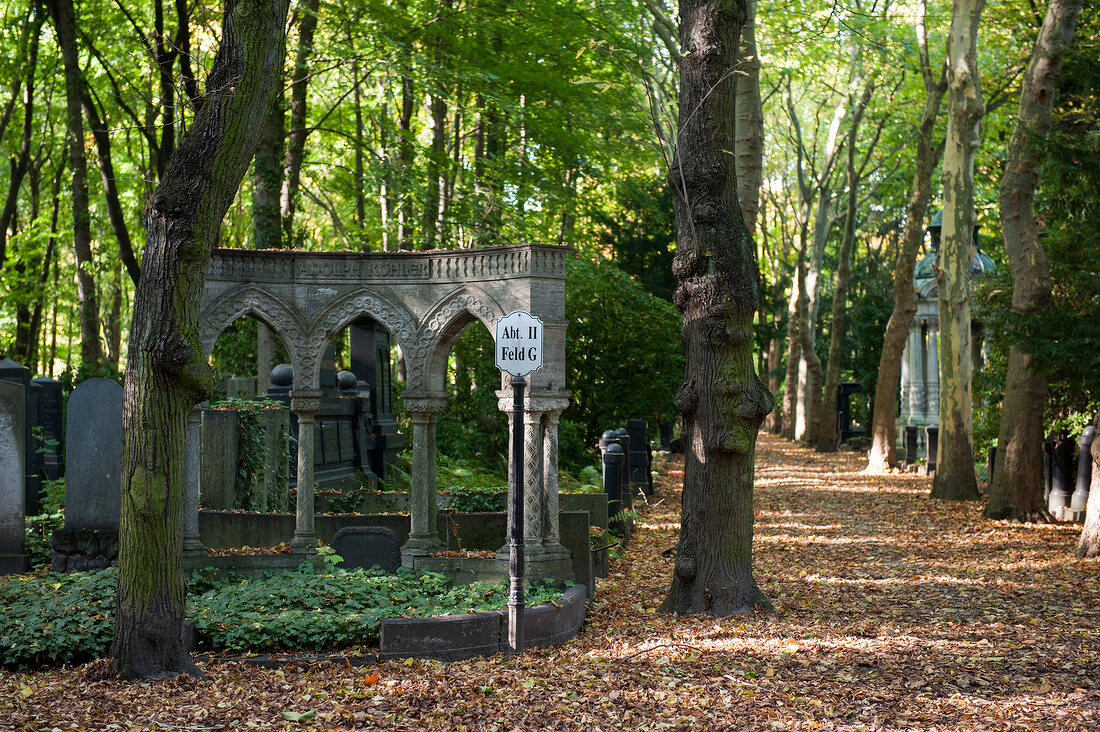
x=424, y=409
x=534, y=489
x=192, y=543
x=933, y=373
x=542, y=538
x=551, y=525
x=304, y=405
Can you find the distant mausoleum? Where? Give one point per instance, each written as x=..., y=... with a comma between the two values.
x=920, y=372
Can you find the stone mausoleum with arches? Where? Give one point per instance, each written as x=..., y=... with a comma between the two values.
x=425, y=300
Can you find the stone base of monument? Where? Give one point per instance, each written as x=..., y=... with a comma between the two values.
x=457, y=637
x=83, y=550
x=251, y=566
x=14, y=563
x=464, y=570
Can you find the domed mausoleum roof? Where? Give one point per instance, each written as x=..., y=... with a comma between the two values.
x=924, y=273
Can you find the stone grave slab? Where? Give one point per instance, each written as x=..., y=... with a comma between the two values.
x=12, y=466
x=93, y=455
x=366, y=546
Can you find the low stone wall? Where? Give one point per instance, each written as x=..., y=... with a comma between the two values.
x=458, y=637
x=380, y=502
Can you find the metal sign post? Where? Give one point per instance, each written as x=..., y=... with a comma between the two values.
x=518, y=353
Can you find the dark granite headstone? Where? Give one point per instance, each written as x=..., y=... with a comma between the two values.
x=12, y=472
x=93, y=455
x=367, y=546
x=638, y=458
x=53, y=431
x=911, y=446
x=932, y=439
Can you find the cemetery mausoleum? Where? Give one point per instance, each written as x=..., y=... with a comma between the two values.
x=920, y=364
x=424, y=301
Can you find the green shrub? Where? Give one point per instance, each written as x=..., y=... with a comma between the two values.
x=69, y=618
x=56, y=618
x=315, y=609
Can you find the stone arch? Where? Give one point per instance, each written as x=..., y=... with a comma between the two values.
x=443, y=324
x=339, y=314
x=253, y=301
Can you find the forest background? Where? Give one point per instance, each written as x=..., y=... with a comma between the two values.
x=449, y=124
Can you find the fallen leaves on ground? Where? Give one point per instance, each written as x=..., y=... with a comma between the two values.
x=896, y=612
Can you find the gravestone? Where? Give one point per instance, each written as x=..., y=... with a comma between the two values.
x=93, y=455
x=13, y=558
x=932, y=439
x=911, y=446
x=50, y=418
x=367, y=546
x=638, y=458
x=32, y=460
x=218, y=457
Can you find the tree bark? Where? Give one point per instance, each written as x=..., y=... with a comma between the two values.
x=166, y=372
x=21, y=163
x=749, y=124
x=267, y=179
x=883, y=455
x=955, y=479
x=102, y=138
x=794, y=356
x=1017, y=490
x=296, y=138
x=406, y=155
x=722, y=400
x=91, y=351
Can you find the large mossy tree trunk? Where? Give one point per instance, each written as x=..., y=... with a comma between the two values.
x=1017, y=490
x=722, y=400
x=166, y=373
x=883, y=454
x=955, y=479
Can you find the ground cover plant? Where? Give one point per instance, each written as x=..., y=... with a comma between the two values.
x=895, y=612
x=67, y=618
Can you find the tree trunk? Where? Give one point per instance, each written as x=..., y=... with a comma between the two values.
x=166, y=373
x=90, y=350
x=102, y=138
x=955, y=479
x=1089, y=543
x=296, y=138
x=21, y=164
x=824, y=435
x=436, y=160
x=406, y=155
x=883, y=454
x=267, y=179
x=360, y=182
x=749, y=125
x=722, y=400
x=1017, y=490
x=794, y=356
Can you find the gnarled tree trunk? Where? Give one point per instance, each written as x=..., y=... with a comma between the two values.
x=166, y=372
x=1017, y=490
x=721, y=399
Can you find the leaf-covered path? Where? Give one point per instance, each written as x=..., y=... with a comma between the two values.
x=895, y=612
